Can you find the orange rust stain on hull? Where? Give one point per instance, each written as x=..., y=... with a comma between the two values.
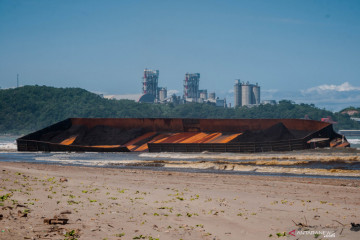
x=181, y=138
x=142, y=137
x=142, y=148
x=69, y=141
x=210, y=137
x=176, y=137
x=105, y=146
x=229, y=138
x=195, y=138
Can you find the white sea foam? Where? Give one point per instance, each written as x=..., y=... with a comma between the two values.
x=67, y=159
x=354, y=141
x=289, y=156
x=265, y=169
x=7, y=146
x=205, y=156
x=181, y=162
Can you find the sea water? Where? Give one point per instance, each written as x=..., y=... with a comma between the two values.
x=338, y=163
x=354, y=141
x=8, y=143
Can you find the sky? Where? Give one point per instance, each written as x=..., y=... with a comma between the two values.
x=301, y=50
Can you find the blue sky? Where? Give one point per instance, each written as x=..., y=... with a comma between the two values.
x=293, y=49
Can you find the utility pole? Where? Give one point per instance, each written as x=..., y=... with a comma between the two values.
x=17, y=80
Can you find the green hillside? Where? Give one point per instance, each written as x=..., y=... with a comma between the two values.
x=30, y=108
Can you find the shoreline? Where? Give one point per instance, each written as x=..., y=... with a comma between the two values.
x=113, y=203
x=324, y=163
x=204, y=171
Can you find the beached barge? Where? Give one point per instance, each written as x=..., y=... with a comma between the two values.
x=181, y=135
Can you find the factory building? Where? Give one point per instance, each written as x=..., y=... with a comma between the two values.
x=150, y=82
x=212, y=95
x=193, y=94
x=152, y=93
x=246, y=94
x=203, y=94
x=191, y=87
x=150, y=90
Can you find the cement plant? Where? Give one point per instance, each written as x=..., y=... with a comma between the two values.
x=245, y=93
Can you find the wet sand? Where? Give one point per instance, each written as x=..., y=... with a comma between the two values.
x=105, y=203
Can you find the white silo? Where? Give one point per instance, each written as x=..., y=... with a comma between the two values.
x=237, y=93
x=256, y=94
x=162, y=94
x=246, y=94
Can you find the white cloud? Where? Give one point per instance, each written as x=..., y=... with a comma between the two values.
x=134, y=97
x=270, y=94
x=344, y=87
x=172, y=91
x=329, y=96
x=270, y=90
x=97, y=92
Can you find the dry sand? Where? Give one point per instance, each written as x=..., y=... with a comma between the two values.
x=104, y=203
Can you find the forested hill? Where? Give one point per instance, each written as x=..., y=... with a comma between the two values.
x=30, y=108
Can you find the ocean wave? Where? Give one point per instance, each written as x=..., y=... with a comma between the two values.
x=68, y=160
x=354, y=141
x=8, y=146
x=258, y=166
x=315, y=164
x=305, y=156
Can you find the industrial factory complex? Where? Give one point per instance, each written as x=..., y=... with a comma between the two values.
x=245, y=94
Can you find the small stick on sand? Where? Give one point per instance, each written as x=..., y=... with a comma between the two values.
x=339, y=222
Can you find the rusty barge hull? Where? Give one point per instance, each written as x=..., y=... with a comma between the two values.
x=180, y=135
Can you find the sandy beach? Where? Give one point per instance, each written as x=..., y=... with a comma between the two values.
x=40, y=201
